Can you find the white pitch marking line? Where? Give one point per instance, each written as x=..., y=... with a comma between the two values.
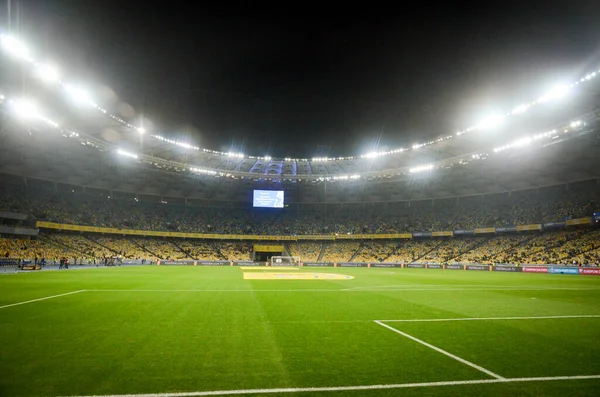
x=42, y=299
x=437, y=349
x=418, y=320
x=410, y=286
x=351, y=388
x=342, y=290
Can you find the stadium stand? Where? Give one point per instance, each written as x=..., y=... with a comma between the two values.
x=520, y=208
x=526, y=207
x=308, y=251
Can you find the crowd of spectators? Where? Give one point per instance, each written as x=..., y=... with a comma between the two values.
x=466, y=213
x=552, y=204
x=567, y=247
x=340, y=251
x=307, y=251
x=413, y=250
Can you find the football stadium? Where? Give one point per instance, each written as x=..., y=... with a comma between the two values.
x=135, y=261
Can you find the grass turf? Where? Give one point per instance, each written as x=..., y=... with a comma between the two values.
x=177, y=329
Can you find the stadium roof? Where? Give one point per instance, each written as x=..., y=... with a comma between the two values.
x=67, y=136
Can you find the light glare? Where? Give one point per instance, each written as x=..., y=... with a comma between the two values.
x=79, y=95
x=520, y=109
x=15, y=47
x=47, y=73
x=422, y=168
x=127, y=154
x=25, y=109
x=491, y=122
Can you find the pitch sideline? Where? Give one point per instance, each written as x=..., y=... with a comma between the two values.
x=351, y=388
x=432, y=320
x=346, y=290
x=42, y=299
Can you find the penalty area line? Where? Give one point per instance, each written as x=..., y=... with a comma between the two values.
x=437, y=349
x=42, y=299
x=352, y=388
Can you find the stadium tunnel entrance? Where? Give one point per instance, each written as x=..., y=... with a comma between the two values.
x=263, y=253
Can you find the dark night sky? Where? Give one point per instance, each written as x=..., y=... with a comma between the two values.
x=310, y=81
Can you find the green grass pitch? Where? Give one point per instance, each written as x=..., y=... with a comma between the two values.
x=159, y=331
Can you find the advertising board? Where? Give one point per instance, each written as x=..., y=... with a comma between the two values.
x=534, y=269
x=248, y=263
x=455, y=267
x=464, y=232
x=477, y=267
x=507, y=269
x=563, y=270
x=213, y=263
x=416, y=265
x=31, y=267
x=422, y=234
x=386, y=265
x=318, y=264
x=589, y=272
x=506, y=229
x=176, y=262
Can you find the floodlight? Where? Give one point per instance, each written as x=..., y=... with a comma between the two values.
x=520, y=109
x=47, y=73
x=15, y=47
x=491, y=122
x=522, y=142
x=422, y=168
x=141, y=130
x=26, y=109
x=557, y=92
x=78, y=94
x=127, y=154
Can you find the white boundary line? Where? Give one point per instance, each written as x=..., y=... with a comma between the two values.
x=423, y=286
x=344, y=290
x=42, y=299
x=351, y=388
x=418, y=320
x=437, y=349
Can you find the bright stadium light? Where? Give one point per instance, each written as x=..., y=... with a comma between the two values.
x=15, y=47
x=522, y=142
x=491, y=122
x=520, y=109
x=141, y=130
x=203, y=171
x=47, y=73
x=557, y=92
x=421, y=168
x=25, y=109
x=79, y=95
x=127, y=154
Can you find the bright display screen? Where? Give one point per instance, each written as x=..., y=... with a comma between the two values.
x=268, y=198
